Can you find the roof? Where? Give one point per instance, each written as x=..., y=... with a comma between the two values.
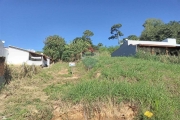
x=154, y=45
x=20, y=49
x=29, y=51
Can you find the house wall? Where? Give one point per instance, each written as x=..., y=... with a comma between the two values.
x=16, y=56
x=168, y=41
x=125, y=50
x=38, y=63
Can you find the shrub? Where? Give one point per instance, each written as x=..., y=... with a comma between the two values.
x=89, y=62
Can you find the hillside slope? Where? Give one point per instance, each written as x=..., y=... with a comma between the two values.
x=116, y=88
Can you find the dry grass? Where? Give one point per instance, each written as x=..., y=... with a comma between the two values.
x=97, y=111
x=24, y=98
x=38, y=97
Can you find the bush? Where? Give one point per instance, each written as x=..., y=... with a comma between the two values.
x=89, y=62
x=162, y=58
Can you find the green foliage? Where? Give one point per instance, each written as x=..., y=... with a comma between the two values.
x=116, y=32
x=54, y=91
x=87, y=34
x=44, y=76
x=154, y=85
x=54, y=47
x=156, y=30
x=149, y=97
x=132, y=37
x=161, y=57
x=100, y=44
x=89, y=62
x=74, y=50
x=109, y=49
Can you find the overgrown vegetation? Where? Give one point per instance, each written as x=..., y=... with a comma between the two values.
x=161, y=57
x=148, y=83
x=12, y=72
x=89, y=62
x=152, y=85
x=22, y=71
x=157, y=30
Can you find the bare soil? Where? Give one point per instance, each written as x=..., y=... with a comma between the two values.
x=78, y=112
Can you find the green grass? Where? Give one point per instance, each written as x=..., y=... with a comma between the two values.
x=152, y=84
x=55, y=91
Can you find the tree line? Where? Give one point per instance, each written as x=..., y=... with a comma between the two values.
x=57, y=49
x=154, y=30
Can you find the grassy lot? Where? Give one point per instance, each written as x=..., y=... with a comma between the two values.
x=142, y=85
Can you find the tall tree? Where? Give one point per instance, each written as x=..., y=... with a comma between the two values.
x=116, y=33
x=150, y=23
x=150, y=29
x=54, y=47
x=87, y=34
x=156, y=30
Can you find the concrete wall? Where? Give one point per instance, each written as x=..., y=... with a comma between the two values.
x=16, y=56
x=38, y=63
x=125, y=50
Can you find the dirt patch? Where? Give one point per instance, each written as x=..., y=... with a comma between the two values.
x=123, y=112
x=64, y=71
x=98, y=74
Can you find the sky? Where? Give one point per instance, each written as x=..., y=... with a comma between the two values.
x=27, y=23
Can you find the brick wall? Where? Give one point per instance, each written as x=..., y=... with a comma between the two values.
x=2, y=62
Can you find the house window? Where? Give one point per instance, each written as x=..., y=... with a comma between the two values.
x=35, y=57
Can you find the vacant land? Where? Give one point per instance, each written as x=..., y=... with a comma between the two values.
x=114, y=89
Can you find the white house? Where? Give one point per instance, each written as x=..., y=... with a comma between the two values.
x=130, y=47
x=19, y=56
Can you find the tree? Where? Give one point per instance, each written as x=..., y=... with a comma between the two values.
x=100, y=44
x=54, y=47
x=87, y=34
x=150, y=23
x=116, y=32
x=150, y=29
x=74, y=50
x=156, y=30
x=132, y=37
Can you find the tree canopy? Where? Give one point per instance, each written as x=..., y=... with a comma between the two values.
x=132, y=37
x=87, y=34
x=156, y=30
x=54, y=47
x=116, y=33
